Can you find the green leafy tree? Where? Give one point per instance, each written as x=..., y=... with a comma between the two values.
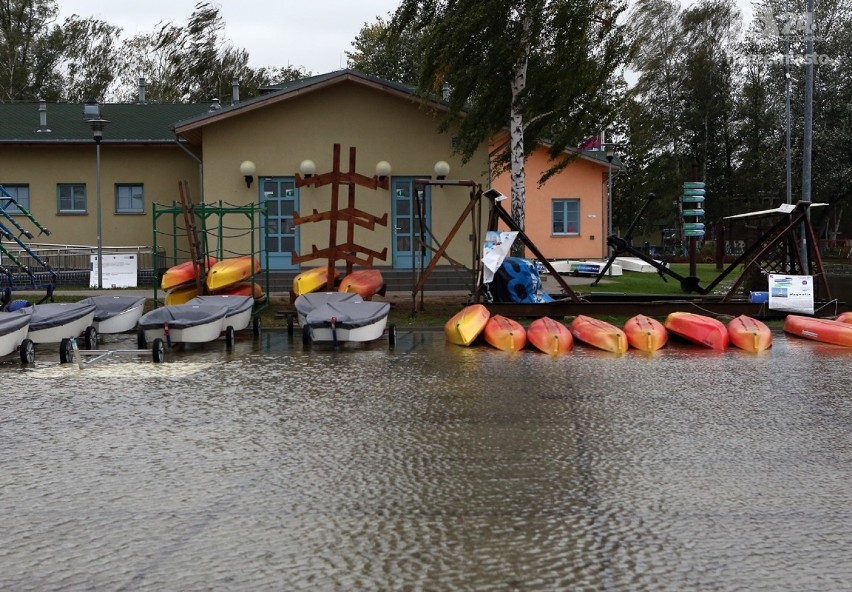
x=542, y=69
x=386, y=56
x=29, y=47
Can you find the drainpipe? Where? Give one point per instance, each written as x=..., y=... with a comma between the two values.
x=196, y=159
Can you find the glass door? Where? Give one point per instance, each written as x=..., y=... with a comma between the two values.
x=407, y=249
x=280, y=235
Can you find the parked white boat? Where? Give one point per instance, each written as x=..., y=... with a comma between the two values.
x=184, y=323
x=339, y=320
x=305, y=303
x=568, y=267
x=54, y=321
x=14, y=327
x=637, y=264
x=116, y=314
x=239, y=308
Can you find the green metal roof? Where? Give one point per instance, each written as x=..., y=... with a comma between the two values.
x=127, y=123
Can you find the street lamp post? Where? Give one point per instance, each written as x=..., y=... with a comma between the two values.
x=92, y=115
x=610, y=154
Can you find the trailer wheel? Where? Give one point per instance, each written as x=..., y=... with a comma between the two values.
x=230, y=337
x=90, y=337
x=256, y=326
x=289, y=324
x=158, y=351
x=27, y=352
x=141, y=341
x=66, y=351
x=306, y=335
x=391, y=335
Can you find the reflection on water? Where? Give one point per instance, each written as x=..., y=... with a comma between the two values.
x=430, y=467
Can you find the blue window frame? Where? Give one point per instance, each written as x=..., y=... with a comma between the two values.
x=129, y=198
x=71, y=198
x=566, y=216
x=20, y=196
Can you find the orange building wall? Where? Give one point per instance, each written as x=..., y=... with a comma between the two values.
x=583, y=179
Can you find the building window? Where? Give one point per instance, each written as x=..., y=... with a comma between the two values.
x=566, y=216
x=12, y=196
x=72, y=198
x=129, y=198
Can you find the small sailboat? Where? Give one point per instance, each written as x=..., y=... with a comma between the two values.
x=339, y=317
x=14, y=327
x=116, y=314
x=183, y=323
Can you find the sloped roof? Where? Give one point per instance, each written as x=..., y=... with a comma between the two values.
x=127, y=123
x=191, y=128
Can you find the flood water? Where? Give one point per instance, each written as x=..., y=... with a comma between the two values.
x=428, y=467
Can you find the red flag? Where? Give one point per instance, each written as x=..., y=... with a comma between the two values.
x=591, y=143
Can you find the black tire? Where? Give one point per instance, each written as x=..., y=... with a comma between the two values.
x=158, y=351
x=27, y=349
x=66, y=351
x=256, y=326
x=391, y=335
x=289, y=324
x=141, y=341
x=230, y=337
x=306, y=335
x=90, y=337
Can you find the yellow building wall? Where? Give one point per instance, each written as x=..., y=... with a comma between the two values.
x=381, y=126
x=583, y=180
x=158, y=169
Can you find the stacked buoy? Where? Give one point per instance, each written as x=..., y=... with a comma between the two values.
x=693, y=208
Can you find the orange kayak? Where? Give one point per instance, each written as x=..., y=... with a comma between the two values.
x=645, y=334
x=505, y=333
x=550, y=336
x=311, y=280
x=749, y=334
x=599, y=334
x=465, y=326
x=699, y=329
x=244, y=289
x=844, y=317
x=182, y=273
x=234, y=270
x=364, y=282
x=824, y=330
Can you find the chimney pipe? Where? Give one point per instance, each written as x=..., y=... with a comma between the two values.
x=42, y=116
x=235, y=91
x=142, y=98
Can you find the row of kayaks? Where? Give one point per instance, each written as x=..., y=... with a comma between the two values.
x=363, y=282
x=200, y=320
x=639, y=332
x=228, y=277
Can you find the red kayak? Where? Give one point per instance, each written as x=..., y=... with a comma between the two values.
x=182, y=273
x=645, y=334
x=844, y=317
x=550, y=336
x=364, y=282
x=599, y=334
x=699, y=329
x=824, y=330
x=505, y=333
x=749, y=334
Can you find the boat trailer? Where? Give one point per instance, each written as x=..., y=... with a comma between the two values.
x=69, y=351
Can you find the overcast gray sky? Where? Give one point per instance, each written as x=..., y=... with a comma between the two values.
x=310, y=33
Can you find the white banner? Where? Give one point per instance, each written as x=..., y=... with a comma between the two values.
x=496, y=248
x=117, y=271
x=791, y=293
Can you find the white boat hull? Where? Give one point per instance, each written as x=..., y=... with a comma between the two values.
x=64, y=331
x=366, y=333
x=186, y=323
x=10, y=340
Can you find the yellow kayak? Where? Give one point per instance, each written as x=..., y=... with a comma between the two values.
x=228, y=272
x=311, y=280
x=466, y=325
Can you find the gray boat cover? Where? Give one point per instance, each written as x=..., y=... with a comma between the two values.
x=234, y=304
x=308, y=302
x=182, y=316
x=56, y=314
x=347, y=315
x=107, y=306
x=12, y=321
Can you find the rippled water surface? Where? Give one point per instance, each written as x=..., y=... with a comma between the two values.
x=428, y=467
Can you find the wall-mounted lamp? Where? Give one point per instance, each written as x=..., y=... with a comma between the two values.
x=383, y=170
x=247, y=170
x=308, y=168
x=442, y=169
